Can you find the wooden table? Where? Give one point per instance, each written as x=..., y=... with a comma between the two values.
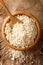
x=36, y=8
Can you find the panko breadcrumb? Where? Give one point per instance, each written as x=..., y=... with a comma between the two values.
x=22, y=34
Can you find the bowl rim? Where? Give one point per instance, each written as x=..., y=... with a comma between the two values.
x=37, y=24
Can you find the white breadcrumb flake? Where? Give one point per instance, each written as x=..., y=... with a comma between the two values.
x=21, y=56
x=17, y=54
x=21, y=35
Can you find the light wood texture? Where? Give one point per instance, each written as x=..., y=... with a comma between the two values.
x=36, y=8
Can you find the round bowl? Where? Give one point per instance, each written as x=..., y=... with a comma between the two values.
x=37, y=24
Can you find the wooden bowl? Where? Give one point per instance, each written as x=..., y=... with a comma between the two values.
x=38, y=28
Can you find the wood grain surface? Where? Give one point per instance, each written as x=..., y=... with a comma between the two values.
x=36, y=8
